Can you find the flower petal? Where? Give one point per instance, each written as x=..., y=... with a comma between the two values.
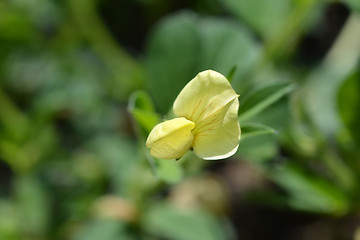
x=218, y=135
x=202, y=96
x=171, y=139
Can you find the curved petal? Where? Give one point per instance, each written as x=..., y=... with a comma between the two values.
x=171, y=139
x=202, y=96
x=218, y=135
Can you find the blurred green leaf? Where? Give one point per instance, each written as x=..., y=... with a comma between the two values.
x=22, y=156
x=42, y=13
x=185, y=44
x=266, y=17
x=115, y=151
x=172, y=55
x=310, y=193
x=348, y=100
x=15, y=124
x=14, y=156
x=225, y=47
x=14, y=26
x=165, y=221
x=276, y=115
x=258, y=148
x=141, y=108
x=255, y=129
x=102, y=229
x=32, y=205
x=126, y=73
x=117, y=155
x=169, y=171
x=257, y=100
x=9, y=221
x=301, y=139
x=354, y=4
x=322, y=84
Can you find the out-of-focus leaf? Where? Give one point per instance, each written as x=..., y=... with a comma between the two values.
x=255, y=129
x=185, y=44
x=258, y=148
x=168, y=222
x=300, y=139
x=266, y=17
x=26, y=72
x=32, y=205
x=25, y=155
x=169, y=171
x=142, y=110
x=114, y=151
x=259, y=99
x=102, y=229
x=125, y=72
x=349, y=104
x=117, y=155
x=15, y=123
x=321, y=86
x=8, y=221
x=41, y=142
x=14, y=26
x=354, y=4
x=172, y=56
x=227, y=46
x=14, y=156
x=41, y=12
x=276, y=116
x=310, y=193
x=265, y=147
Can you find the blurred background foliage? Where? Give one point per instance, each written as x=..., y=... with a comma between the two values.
x=82, y=82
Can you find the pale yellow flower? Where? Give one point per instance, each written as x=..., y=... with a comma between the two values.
x=207, y=121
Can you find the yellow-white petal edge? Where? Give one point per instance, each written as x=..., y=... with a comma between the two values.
x=212, y=104
x=202, y=96
x=171, y=139
x=218, y=136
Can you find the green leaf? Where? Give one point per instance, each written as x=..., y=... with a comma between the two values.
x=321, y=86
x=348, y=101
x=172, y=54
x=260, y=148
x=117, y=155
x=259, y=145
x=310, y=193
x=168, y=222
x=9, y=220
x=228, y=48
x=142, y=109
x=230, y=75
x=14, y=123
x=168, y=171
x=185, y=44
x=259, y=99
x=255, y=129
x=102, y=229
x=266, y=17
x=32, y=204
x=354, y=4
